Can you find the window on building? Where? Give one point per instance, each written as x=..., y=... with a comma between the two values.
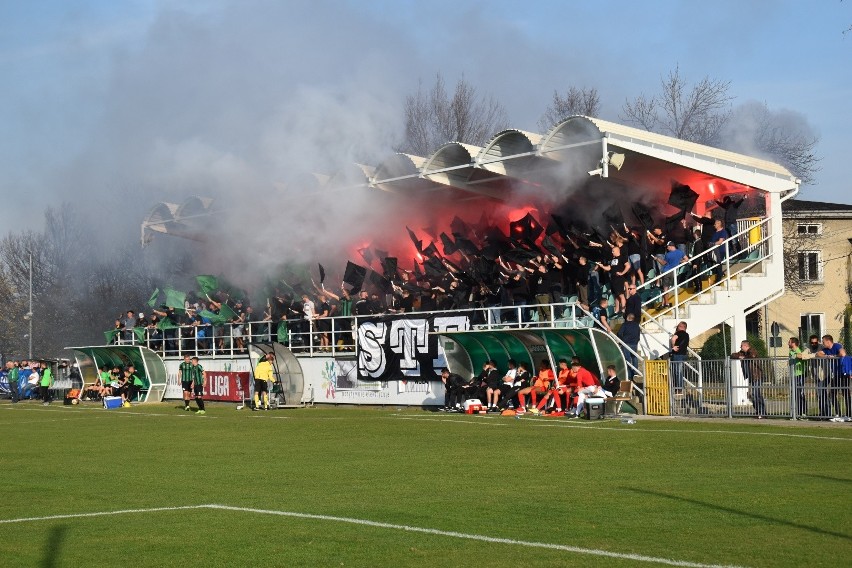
x=811, y=324
x=809, y=229
x=809, y=266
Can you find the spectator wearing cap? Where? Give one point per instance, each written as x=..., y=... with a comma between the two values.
x=673, y=258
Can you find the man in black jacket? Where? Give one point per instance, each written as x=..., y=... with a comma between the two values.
x=452, y=390
x=630, y=333
x=699, y=262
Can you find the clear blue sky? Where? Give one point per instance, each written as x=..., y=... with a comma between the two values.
x=85, y=82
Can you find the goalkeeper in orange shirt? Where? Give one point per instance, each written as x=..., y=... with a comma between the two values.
x=561, y=386
x=539, y=387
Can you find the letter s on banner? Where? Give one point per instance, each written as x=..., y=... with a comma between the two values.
x=371, y=356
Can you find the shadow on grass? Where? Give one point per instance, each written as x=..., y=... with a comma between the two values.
x=739, y=512
x=55, y=539
x=827, y=477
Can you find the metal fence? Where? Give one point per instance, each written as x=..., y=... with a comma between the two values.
x=766, y=388
x=334, y=335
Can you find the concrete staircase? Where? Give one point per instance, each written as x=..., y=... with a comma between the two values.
x=752, y=278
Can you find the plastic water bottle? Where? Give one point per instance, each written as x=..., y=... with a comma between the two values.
x=628, y=421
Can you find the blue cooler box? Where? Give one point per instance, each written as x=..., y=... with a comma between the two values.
x=112, y=402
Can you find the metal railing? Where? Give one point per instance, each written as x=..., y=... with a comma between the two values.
x=770, y=387
x=335, y=335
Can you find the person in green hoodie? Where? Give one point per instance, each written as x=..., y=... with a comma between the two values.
x=46, y=383
x=12, y=378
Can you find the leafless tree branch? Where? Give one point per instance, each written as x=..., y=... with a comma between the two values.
x=575, y=101
x=434, y=118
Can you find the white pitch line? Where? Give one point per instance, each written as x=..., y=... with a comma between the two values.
x=447, y=420
x=376, y=524
x=262, y=417
x=733, y=432
x=548, y=423
x=10, y=423
x=477, y=537
x=116, y=412
x=101, y=514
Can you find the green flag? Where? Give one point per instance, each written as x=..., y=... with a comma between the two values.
x=152, y=301
x=110, y=335
x=175, y=298
x=226, y=312
x=166, y=323
x=215, y=319
x=140, y=334
x=282, y=332
x=207, y=284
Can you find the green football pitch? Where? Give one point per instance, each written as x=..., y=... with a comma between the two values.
x=153, y=485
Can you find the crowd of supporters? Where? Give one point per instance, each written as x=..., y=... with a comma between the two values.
x=513, y=278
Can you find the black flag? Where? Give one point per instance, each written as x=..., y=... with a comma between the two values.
x=321, y=273
x=458, y=227
x=389, y=265
x=448, y=244
x=366, y=254
x=418, y=244
x=430, y=251
x=561, y=224
x=466, y=246
x=613, y=215
x=354, y=274
x=380, y=282
x=434, y=268
x=643, y=215
x=548, y=245
x=525, y=228
x=682, y=196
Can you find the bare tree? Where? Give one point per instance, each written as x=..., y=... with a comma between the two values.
x=433, y=118
x=14, y=307
x=792, y=145
x=689, y=112
x=576, y=101
x=702, y=113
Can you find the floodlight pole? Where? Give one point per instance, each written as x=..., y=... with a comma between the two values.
x=30, y=352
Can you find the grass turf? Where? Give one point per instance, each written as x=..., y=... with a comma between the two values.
x=733, y=493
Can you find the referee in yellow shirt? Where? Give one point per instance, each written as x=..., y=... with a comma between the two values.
x=263, y=376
